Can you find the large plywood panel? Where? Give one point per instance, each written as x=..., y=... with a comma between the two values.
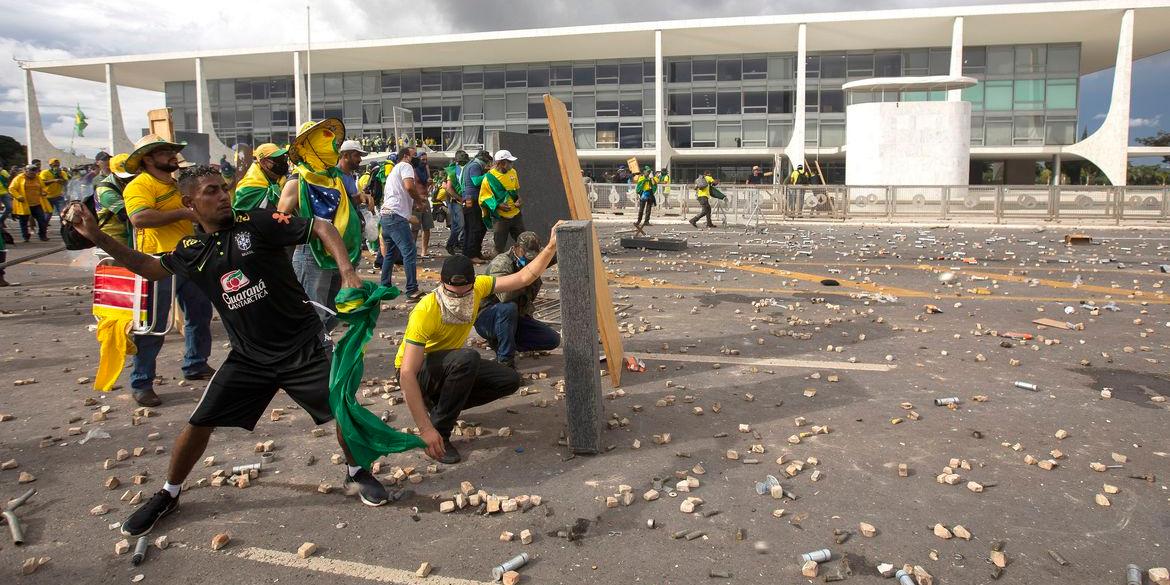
x=542, y=193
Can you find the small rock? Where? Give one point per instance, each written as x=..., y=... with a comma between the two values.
x=1102, y=500
x=961, y=532
x=26, y=477
x=423, y=570
x=809, y=569
x=220, y=540
x=942, y=532
x=122, y=547
x=306, y=550
x=867, y=530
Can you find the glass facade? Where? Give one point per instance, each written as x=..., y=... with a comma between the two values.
x=1026, y=95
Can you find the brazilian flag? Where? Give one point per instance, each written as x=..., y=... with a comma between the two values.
x=79, y=123
x=323, y=195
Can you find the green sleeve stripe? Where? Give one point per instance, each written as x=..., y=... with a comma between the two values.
x=413, y=342
x=309, y=232
x=493, y=284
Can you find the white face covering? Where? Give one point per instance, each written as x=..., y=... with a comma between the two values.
x=455, y=310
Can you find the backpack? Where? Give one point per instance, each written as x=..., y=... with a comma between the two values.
x=69, y=234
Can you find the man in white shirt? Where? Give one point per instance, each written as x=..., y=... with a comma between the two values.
x=400, y=196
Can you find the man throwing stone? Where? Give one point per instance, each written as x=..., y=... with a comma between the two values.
x=239, y=261
x=438, y=375
x=505, y=319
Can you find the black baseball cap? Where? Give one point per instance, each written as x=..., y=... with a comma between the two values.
x=458, y=270
x=101, y=155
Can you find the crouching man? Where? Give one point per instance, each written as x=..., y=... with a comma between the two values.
x=239, y=262
x=439, y=376
x=505, y=319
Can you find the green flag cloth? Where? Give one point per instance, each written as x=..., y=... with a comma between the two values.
x=79, y=122
x=366, y=436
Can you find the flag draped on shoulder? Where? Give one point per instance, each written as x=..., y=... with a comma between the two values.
x=320, y=188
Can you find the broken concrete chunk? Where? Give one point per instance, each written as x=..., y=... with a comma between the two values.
x=25, y=477
x=423, y=570
x=942, y=532
x=526, y=536
x=809, y=569
x=1159, y=576
x=961, y=532
x=1111, y=489
x=308, y=549
x=510, y=578
x=220, y=540
x=867, y=530
x=122, y=547
x=1102, y=500
x=998, y=558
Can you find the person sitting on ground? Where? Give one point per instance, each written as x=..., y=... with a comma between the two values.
x=505, y=319
x=239, y=261
x=440, y=377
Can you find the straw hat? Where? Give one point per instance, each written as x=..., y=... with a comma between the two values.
x=144, y=146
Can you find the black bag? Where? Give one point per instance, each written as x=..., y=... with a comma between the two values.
x=69, y=234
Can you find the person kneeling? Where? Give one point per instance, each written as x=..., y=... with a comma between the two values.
x=440, y=377
x=505, y=319
x=240, y=263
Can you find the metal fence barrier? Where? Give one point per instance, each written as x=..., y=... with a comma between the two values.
x=746, y=204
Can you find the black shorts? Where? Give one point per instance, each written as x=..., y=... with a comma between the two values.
x=241, y=389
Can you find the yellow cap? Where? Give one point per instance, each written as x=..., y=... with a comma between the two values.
x=118, y=165
x=269, y=150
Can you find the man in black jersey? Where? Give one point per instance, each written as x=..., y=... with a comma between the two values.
x=239, y=262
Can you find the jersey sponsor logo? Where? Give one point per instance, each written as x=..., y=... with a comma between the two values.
x=245, y=297
x=189, y=242
x=233, y=281
x=244, y=242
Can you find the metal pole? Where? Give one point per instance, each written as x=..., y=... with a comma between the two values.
x=40, y=254
x=309, y=59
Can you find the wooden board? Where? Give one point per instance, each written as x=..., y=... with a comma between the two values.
x=632, y=164
x=159, y=122
x=562, y=135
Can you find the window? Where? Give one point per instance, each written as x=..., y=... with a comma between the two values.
x=516, y=78
x=755, y=102
x=998, y=133
x=450, y=112
x=729, y=136
x=832, y=101
x=1000, y=60
x=756, y=68
x=812, y=67
x=781, y=68
x=832, y=66
x=538, y=77
x=755, y=133
x=607, y=74
x=493, y=108
x=584, y=106
x=472, y=80
x=703, y=102
x=832, y=134
x=1029, y=130
x=388, y=105
x=630, y=136
x=859, y=65
x=679, y=136
x=811, y=103
x=536, y=110
x=351, y=84
x=391, y=82
x=648, y=71
x=703, y=134
x=1030, y=59
x=647, y=136
x=584, y=137
x=679, y=72
x=473, y=106
x=940, y=62
x=583, y=75
x=452, y=81
x=703, y=70
x=431, y=80
x=915, y=62
x=974, y=94
x=1029, y=94
x=729, y=102
x=998, y=95
x=648, y=102
x=1060, y=131
x=280, y=116
x=607, y=135
x=1064, y=59
x=174, y=93
x=630, y=74
x=607, y=104
x=472, y=136
x=781, y=102
x=493, y=79
x=729, y=70
x=974, y=60
x=371, y=112
x=411, y=82
x=678, y=104
x=887, y=65
x=1061, y=94
x=630, y=107
x=352, y=112
x=517, y=103
x=260, y=90
x=977, y=130
x=779, y=134
x=561, y=75
x=244, y=88
x=370, y=87
x=432, y=113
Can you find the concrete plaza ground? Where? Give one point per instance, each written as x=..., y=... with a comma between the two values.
x=704, y=325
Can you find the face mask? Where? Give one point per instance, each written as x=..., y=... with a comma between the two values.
x=522, y=261
x=455, y=310
x=279, y=168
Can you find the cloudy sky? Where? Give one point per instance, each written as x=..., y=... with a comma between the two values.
x=67, y=28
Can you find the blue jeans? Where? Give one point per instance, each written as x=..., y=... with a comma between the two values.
x=6, y=200
x=508, y=331
x=399, y=244
x=38, y=215
x=58, y=206
x=321, y=285
x=197, y=333
x=455, y=223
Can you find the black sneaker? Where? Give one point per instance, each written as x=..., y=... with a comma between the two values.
x=147, y=397
x=508, y=363
x=200, y=375
x=415, y=296
x=143, y=519
x=369, y=489
x=450, y=453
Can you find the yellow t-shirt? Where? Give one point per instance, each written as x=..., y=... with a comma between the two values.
x=705, y=191
x=425, y=326
x=147, y=192
x=54, y=189
x=511, y=182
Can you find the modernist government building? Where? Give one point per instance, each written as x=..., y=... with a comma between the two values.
x=921, y=96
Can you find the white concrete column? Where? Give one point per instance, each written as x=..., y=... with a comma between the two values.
x=795, y=149
x=203, y=123
x=662, y=147
x=955, y=95
x=1056, y=169
x=1108, y=147
x=34, y=130
x=299, y=100
x=119, y=142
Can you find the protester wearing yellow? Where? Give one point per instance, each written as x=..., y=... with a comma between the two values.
x=499, y=198
x=29, y=203
x=260, y=187
x=111, y=214
x=703, y=187
x=115, y=345
x=54, y=180
x=155, y=209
